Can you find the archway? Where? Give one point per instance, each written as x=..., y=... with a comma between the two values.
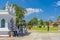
x=2, y=23
x=12, y=22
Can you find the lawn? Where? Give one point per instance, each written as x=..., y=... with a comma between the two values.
x=45, y=29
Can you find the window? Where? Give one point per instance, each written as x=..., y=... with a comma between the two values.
x=2, y=23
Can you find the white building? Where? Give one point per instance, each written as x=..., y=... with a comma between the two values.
x=7, y=19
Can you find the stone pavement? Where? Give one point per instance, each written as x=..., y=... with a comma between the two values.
x=36, y=36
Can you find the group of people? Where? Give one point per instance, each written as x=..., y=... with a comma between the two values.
x=20, y=30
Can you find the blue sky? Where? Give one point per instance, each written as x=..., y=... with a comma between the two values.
x=42, y=9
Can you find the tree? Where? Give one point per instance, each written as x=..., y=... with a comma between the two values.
x=33, y=21
x=58, y=20
x=19, y=13
x=58, y=17
x=45, y=23
x=41, y=22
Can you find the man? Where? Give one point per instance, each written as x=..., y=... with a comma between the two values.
x=48, y=26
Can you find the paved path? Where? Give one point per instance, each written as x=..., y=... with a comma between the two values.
x=37, y=36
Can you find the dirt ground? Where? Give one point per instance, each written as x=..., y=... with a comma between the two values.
x=36, y=36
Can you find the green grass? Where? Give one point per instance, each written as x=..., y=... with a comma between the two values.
x=45, y=29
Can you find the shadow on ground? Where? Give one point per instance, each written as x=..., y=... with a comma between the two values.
x=27, y=34
x=22, y=35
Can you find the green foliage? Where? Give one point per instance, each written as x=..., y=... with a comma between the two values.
x=44, y=23
x=41, y=22
x=33, y=21
x=58, y=17
x=19, y=13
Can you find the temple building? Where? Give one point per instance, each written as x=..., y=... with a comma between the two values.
x=7, y=19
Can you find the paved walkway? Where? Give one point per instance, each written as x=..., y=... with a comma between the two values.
x=37, y=36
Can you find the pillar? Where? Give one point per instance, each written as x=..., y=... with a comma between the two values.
x=0, y=23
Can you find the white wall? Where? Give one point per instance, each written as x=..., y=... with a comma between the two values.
x=7, y=19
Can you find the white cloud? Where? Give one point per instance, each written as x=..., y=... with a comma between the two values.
x=58, y=3
x=33, y=10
